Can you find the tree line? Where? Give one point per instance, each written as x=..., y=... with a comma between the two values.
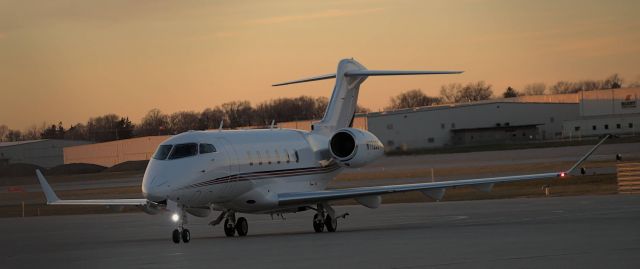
x=480, y=90
x=242, y=114
x=234, y=114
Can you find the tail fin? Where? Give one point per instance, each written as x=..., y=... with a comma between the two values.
x=343, y=102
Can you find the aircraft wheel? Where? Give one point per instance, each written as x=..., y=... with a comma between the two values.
x=176, y=236
x=331, y=223
x=242, y=227
x=318, y=224
x=229, y=230
x=186, y=235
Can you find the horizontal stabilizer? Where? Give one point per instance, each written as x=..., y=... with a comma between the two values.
x=322, y=77
x=367, y=73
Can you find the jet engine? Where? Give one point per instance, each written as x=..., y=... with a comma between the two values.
x=353, y=147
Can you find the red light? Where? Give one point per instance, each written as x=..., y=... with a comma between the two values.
x=562, y=174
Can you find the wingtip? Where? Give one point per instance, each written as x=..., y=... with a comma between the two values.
x=46, y=188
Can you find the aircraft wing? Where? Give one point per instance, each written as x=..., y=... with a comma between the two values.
x=433, y=189
x=52, y=198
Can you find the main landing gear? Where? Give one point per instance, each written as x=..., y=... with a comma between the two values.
x=180, y=232
x=231, y=224
x=326, y=217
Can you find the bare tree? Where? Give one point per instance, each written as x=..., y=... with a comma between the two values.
x=537, y=88
x=450, y=92
x=475, y=92
x=183, y=121
x=153, y=123
x=210, y=118
x=412, y=98
x=14, y=135
x=77, y=132
x=107, y=127
x=238, y=113
x=4, y=129
x=562, y=87
x=612, y=82
x=33, y=132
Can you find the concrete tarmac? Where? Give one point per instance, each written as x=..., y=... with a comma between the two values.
x=563, y=232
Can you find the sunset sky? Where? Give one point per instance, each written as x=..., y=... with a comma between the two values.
x=71, y=60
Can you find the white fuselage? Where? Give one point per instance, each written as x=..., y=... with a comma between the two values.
x=245, y=173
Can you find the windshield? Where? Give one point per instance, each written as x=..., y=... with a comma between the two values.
x=162, y=152
x=184, y=150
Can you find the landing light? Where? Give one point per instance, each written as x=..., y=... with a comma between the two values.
x=563, y=174
x=175, y=217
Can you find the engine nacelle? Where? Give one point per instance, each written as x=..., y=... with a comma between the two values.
x=353, y=147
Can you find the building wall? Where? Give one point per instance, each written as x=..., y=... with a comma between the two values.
x=431, y=126
x=114, y=152
x=493, y=135
x=610, y=102
x=46, y=153
x=596, y=126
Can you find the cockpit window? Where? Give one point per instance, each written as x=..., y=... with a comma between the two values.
x=162, y=152
x=207, y=148
x=183, y=150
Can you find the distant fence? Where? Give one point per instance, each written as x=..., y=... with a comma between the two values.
x=629, y=178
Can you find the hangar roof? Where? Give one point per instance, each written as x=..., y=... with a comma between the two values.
x=15, y=143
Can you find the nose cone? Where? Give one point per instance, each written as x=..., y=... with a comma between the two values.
x=151, y=182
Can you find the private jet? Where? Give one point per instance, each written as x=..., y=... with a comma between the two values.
x=276, y=171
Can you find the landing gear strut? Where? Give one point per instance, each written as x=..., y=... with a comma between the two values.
x=231, y=225
x=326, y=217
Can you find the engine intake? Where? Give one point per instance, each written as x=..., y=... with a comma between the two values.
x=353, y=147
x=343, y=144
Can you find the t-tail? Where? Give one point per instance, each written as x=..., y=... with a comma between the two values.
x=344, y=100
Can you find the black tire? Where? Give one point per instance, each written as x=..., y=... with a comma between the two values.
x=176, y=236
x=229, y=230
x=318, y=224
x=242, y=226
x=331, y=223
x=186, y=235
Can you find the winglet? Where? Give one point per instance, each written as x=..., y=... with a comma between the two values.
x=584, y=158
x=46, y=188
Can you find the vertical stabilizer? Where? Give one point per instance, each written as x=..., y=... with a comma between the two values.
x=342, y=105
x=343, y=102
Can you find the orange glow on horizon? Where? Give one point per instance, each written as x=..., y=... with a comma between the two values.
x=71, y=61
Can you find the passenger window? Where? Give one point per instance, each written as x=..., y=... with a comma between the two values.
x=277, y=156
x=207, y=148
x=268, y=156
x=297, y=158
x=249, y=158
x=286, y=153
x=184, y=150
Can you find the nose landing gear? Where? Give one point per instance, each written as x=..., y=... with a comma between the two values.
x=181, y=232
